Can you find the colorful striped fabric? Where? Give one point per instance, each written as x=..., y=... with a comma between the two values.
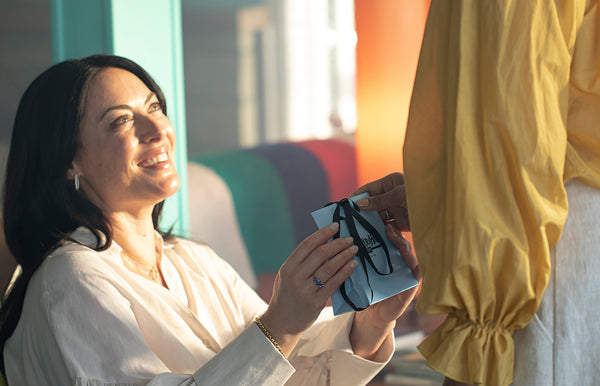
x=275, y=187
x=214, y=221
x=260, y=205
x=304, y=181
x=338, y=159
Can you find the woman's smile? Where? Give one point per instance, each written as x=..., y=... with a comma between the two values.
x=155, y=160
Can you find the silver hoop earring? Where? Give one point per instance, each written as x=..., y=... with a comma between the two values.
x=76, y=180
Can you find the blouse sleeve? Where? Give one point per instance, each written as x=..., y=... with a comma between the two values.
x=484, y=160
x=82, y=324
x=323, y=356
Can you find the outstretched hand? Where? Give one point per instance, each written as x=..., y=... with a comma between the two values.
x=387, y=193
x=373, y=326
x=392, y=308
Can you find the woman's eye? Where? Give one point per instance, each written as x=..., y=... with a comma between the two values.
x=155, y=107
x=122, y=120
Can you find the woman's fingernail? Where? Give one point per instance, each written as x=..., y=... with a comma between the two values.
x=334, y=226
x=363, y=202
x=353, y=249
x=353, y=263
x=349, y=239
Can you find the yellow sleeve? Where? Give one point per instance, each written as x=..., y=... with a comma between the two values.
x=484, y=160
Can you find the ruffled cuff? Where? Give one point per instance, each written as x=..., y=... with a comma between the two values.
x=470, y=352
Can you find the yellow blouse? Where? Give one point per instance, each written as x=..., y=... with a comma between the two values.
x=505, y=110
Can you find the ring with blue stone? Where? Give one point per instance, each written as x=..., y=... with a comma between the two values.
x=318, y=282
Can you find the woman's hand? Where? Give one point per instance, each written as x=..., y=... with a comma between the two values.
x=371, y=332
x=387, y=193
x=298, y=298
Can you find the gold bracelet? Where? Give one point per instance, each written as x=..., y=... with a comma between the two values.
x=268, y=335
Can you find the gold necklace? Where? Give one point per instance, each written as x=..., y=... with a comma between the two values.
x=153, y=272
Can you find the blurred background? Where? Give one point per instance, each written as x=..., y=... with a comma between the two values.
x=255, y=70
x=244, y=74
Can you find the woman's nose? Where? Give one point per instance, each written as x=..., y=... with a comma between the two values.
x=154, y=130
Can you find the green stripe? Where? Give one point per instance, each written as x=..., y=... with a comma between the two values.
x=260, y=204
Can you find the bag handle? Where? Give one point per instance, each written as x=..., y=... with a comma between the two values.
x=351, y=214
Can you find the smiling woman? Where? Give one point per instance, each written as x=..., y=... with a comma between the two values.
x=106, y=298
x=125, y=159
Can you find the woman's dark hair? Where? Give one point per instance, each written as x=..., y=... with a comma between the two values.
x=41, y=206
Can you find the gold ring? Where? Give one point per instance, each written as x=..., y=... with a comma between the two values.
x=388, y=218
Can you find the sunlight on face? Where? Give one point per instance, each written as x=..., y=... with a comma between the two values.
x=125, y=158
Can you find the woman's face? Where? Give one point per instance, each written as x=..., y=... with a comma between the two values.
x=125, y=158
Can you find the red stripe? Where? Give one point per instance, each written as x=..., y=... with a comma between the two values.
x=338, y=159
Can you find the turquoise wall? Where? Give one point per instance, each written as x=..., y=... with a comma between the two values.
x=148, y=32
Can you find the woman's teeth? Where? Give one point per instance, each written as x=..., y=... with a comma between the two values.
x=154, y=160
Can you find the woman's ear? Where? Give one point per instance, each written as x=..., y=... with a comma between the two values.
x=74, y=169
x=73, y=174
x=70, y=174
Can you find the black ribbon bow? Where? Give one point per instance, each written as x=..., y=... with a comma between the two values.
x=351, y=216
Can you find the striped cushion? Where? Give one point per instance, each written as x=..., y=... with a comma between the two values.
x=338, y=159
x=274, y=188
x=304, y=182
x=260, y=205
x=213, y=220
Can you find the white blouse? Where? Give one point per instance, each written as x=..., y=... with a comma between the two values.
x=88, y=320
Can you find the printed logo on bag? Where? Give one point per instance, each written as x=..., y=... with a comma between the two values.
x=370, y=243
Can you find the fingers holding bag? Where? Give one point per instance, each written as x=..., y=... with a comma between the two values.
x=386, y=194
x=305, y=281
